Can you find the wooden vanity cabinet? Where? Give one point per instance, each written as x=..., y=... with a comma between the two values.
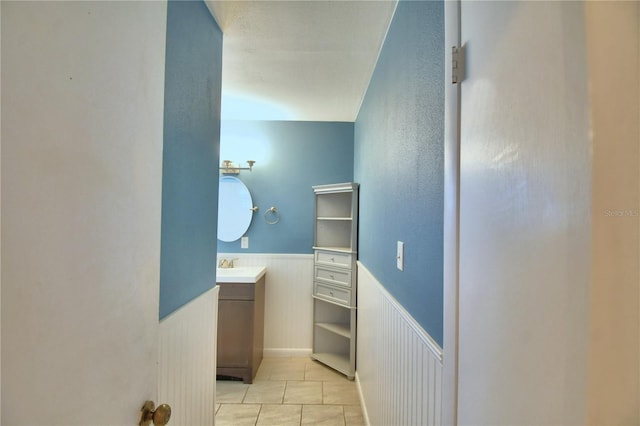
x=240, y=329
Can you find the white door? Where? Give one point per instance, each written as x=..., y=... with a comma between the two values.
x=547, y=274
x=524, y=214
x=82, y=113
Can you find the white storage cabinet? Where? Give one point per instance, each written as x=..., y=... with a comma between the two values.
x=334, y=281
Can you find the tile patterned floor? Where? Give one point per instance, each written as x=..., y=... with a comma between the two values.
x=289, y=391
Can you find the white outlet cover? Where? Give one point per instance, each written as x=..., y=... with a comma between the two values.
x=244, y=242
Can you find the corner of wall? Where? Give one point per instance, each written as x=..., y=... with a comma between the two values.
x=190, y=154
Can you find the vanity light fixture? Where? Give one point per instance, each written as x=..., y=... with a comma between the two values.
x=228, y=168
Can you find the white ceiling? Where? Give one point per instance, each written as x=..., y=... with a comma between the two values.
x=298, y=60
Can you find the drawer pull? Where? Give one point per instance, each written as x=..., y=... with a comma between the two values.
x=331, y=276
x=331, y=293
x=333, y=259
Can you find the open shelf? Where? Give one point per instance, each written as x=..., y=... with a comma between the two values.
x=337, y=204
x=334, y=233
x=334, y=248
x=333, y=302
x=339, y=329
x=338, y=362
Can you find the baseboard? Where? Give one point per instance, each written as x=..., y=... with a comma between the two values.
x=363, y=403
x=286, y=352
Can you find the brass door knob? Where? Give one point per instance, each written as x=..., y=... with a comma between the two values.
x=159, y=416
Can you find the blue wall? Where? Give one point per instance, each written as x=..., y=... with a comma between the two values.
x=291, y=157
x=399, y=152
x=193, y=73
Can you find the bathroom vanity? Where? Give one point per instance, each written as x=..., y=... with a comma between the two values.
x=240, y=321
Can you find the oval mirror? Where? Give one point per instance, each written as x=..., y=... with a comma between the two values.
x=234, y=209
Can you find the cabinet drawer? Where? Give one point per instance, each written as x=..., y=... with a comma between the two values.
x=236, y=291
x=333, y=258
x=333, y=294
x=333, y=276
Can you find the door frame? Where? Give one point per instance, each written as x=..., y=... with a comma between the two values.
x=451, y=237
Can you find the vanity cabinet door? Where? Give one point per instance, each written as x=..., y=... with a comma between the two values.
x=240, y=329
x=235, y=333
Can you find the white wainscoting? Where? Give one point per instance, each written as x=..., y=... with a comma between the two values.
x=399, y=366
x=288, y=313
x=187, y=361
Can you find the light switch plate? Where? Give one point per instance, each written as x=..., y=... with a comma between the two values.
x=244, y=242
x=400, y=256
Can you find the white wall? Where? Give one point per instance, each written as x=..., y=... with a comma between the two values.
x=549, y=298
x=187, y=360
x=82, y=111
x=525, y=215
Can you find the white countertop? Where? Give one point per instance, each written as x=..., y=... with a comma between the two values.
x=241, y=274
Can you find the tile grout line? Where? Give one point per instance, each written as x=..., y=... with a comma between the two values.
x=308, y=372
x=258, y=416
x=286, y=385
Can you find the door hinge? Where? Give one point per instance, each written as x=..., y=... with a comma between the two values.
x=457, y=64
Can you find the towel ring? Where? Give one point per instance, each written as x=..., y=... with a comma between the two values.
x=272, y=212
